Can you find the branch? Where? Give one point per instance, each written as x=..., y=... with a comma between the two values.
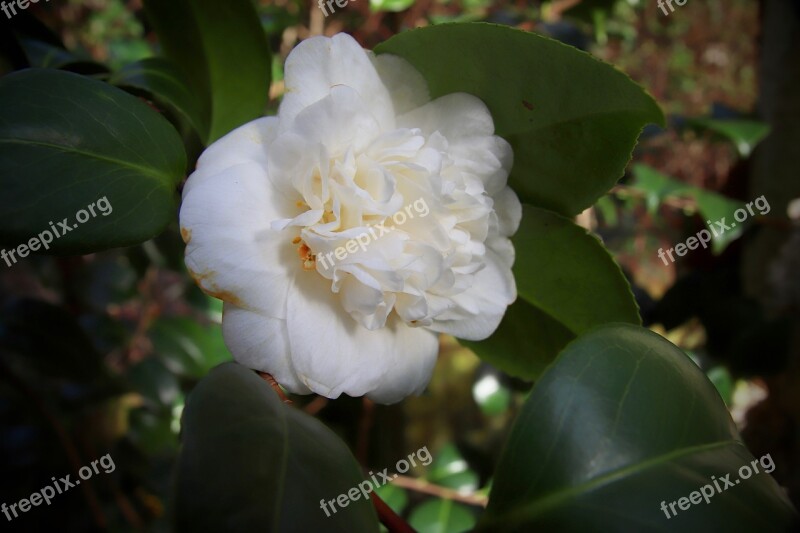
x=274, y=384
x=420, y=485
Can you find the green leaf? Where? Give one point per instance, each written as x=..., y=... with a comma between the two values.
x=393, y=6
x=527, y=340
x=67, y=142
x=567, y=283
x=155, y=382
x=572, y=120
x=251, y=463
x=187, y=348
x=622, y=422
x=167, y=85
x=711, y=206
x=566, y=272
x=45, y=55
x=442, y=516
x=450, y=470
x=491, y=395
x=394, y=497
x=224, y=54
x=723, y=381
x=745, y=134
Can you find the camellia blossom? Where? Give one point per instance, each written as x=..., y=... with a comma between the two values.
x=357, y=148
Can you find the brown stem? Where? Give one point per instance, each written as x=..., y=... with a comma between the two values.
x=274, y=384
x=316, y=405
x=423, y=486
x=390, y=519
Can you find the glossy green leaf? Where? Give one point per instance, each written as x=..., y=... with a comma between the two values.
x=566, y=272
x=622, y=422
x=224, y=54
x=572, y=120
x=41, y=54
x=442, y=516
x=745, y=134
x=252, y=463
x=67, y=142
x=167, y=85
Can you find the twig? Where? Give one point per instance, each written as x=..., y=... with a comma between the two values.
x=420, y=485
x=316, y=405
x=274, y=384
x=388, y=517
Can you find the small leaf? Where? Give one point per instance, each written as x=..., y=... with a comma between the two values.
x=572, y=120
x=251, y=463
x=491, y=395
x=622, y=422
x=442, y=516
x=745, y=134
x=67, y=142
x=713, y=207
x=450, y=470
x=394, y=497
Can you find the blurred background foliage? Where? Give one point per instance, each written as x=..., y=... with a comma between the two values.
x=98, y=352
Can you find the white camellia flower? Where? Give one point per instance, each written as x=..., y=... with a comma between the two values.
x=345, y=233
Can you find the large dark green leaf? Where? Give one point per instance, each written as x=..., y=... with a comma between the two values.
x=224, y=54
x=251, y=463
x=571, y=119
x=159, y=78
x=621, y=423
x=67, y=142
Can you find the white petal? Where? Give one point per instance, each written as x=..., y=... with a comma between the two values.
x=509, y=211
x=333, y=354
x=231, y=250
x=246, y=144
x=261, y=343
x=318, y=64
x=482, y=306
x=406, y=85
